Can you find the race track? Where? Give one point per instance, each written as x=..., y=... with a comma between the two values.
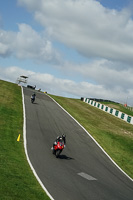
x=83, y=171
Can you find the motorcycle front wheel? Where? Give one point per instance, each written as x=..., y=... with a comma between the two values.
x=53, y=151
x=57, y=153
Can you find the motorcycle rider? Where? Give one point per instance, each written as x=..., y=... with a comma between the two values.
x=60, y=138
x=33, y=96
x=64, y=138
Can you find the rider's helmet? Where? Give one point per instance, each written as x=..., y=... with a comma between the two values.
x=59, y=138
x=63, y=135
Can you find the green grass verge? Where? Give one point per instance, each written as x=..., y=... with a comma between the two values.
x=113, y=134
x=16, y=178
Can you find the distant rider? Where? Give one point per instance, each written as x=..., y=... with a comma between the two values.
x=33, y=96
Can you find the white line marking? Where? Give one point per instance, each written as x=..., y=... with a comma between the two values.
x=87, y=176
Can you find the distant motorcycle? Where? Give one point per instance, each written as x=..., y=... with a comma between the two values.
x=58, y=148
x=32, y=98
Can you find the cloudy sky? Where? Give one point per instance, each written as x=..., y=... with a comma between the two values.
x=71, y=48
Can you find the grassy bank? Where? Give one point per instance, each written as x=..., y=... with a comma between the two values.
x=120, y=107
x=16, y=178
x=113, y=134
x=17, y=181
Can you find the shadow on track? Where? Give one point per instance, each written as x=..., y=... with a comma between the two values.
x=65, y=157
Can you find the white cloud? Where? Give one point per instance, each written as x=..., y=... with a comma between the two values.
x=87, y=26
x=67, y=87
x=5, y=42
x=4, y=49
x=101, y=72
x=103, y=35
x=27, y=44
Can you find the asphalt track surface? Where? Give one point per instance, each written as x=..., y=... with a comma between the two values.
x=83, y=171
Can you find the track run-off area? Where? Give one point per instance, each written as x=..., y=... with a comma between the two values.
x=83, y=171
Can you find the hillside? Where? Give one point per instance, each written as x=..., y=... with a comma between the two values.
x=16, y=178
x=127, y=110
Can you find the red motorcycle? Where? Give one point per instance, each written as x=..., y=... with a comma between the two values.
x=58, y=148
